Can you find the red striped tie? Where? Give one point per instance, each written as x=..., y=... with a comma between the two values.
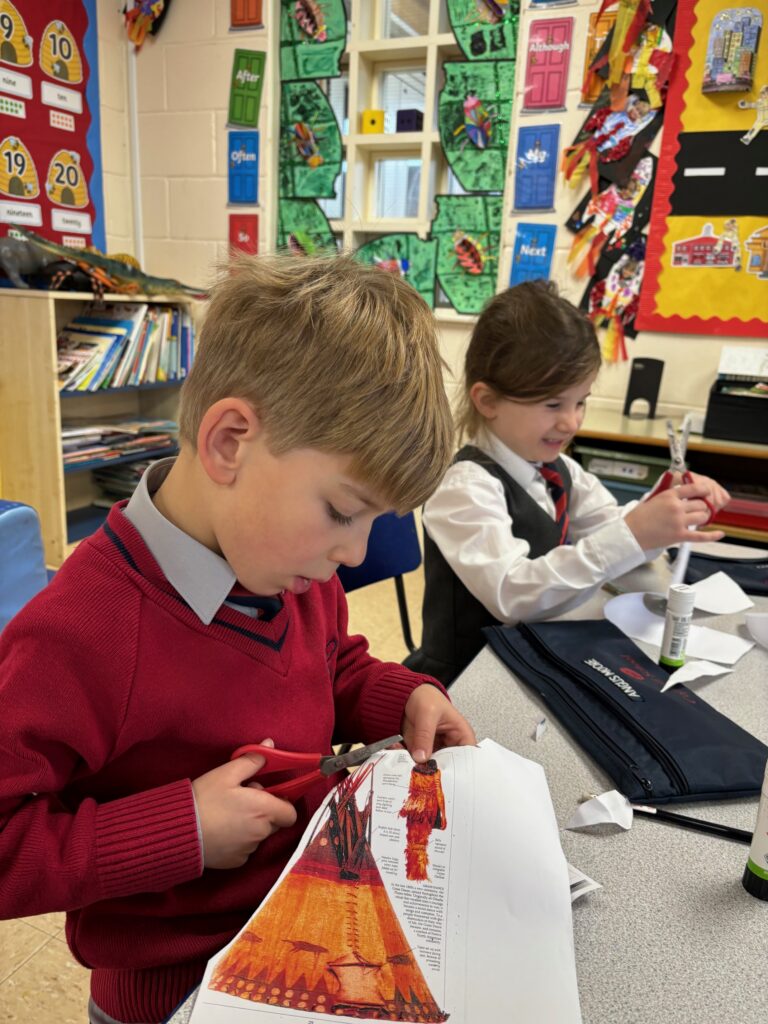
x=559, y=497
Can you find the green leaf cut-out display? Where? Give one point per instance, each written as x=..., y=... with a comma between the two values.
x=303, y=227
x=313, y=34
x=474, y=114
x=485, y=29
x=467, y=229
x=407, y=255
x=310, y=142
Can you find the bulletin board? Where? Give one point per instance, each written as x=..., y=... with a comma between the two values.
x=707, y=258
x=50, y=149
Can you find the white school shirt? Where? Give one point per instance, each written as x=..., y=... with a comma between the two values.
x=467, y=518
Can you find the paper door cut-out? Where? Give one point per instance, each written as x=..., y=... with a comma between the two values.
x=243, y=167
x=532, y=253
x=536, y=166
x=547, y=60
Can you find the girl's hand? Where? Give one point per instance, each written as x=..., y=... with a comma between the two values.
x=716, y=495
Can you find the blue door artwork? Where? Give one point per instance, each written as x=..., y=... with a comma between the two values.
x=243, y=166
x=536, y=166
x=532, y=254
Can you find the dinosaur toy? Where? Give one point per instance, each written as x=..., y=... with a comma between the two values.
x=31, y=253
x=18, y=257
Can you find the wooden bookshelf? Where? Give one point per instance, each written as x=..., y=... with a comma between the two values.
x=31, y=468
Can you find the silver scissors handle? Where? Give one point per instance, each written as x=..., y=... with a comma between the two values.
x=678, y=445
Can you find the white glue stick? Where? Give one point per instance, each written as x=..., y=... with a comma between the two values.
x=677, y=622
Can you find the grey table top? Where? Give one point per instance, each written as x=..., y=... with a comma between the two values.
x=672, y=937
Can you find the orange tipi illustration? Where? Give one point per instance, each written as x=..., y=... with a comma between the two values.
x=423, y=810
x=328, y=940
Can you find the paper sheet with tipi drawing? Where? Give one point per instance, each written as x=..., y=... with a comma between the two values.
x=419, y=893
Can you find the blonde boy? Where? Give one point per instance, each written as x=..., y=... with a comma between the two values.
x=206, y=614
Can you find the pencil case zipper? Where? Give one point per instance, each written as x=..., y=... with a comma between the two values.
x=608, y=743
x=662, y=755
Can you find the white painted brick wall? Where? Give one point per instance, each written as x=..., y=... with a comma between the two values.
x=183, y=78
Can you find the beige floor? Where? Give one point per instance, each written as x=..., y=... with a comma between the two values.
x=39, y=981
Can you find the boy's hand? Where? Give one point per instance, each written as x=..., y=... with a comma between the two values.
x=234, y=817
x=667, y=517
x=431, y=722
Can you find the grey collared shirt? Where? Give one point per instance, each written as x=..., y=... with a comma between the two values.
x=202, y=578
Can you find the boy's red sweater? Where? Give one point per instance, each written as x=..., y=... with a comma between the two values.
x=113, y=696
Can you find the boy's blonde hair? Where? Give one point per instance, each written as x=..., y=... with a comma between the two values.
x=334, y=355
x=529, y=344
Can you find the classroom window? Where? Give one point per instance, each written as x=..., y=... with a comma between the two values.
x=334, y=208
x=453, y=187
x=337, y=91
x=404, y=18
x=396, y=187
x=400, y=89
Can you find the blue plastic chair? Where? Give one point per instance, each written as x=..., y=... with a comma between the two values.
x=22, y=560
x=393, y=549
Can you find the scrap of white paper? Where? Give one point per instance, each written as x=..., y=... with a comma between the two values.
x=611, y=808
x=541, y=728
x=757, y=624
x=581, y=884
x=720, y=595
x=630, y=614
x=693, y=670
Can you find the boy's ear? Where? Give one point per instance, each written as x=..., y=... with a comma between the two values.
x=224, y=430
x=485, y=399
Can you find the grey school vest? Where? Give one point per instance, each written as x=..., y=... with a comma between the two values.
x=452, y=618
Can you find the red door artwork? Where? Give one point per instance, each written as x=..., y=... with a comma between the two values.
x=245, y=13
x=244, y=233
x=546, y=69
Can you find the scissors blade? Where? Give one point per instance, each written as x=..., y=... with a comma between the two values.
x=336, y=764
x=671, y=437
x=678, y=462
x=685, y=431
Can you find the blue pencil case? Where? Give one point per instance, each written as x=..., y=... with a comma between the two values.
x=657, y=747
x=750, y=573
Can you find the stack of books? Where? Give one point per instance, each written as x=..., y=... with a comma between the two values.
x=125, y=345
x=99, y=443
x=748, y=508
x=118, y=482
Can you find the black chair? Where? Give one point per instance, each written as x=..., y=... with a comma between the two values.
x=393, y=549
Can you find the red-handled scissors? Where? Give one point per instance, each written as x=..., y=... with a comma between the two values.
x=678, y=445
x=322, y=765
